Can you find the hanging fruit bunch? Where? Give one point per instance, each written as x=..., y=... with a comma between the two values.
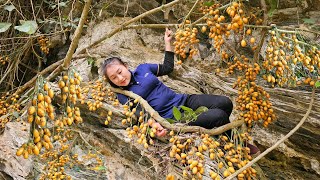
x=144, y=130
x=43, y=42
x=8, y=107
x=287, y=59
x=39, y=113
x=186, y=39
x=97, y=91
x=62, y=157
x=4, y=60
x=223, y=155
x=253, y=101
x=70, y=94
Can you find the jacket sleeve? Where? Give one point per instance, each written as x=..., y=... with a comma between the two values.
x=122, y=98
x=168, y=64
x=160, y=69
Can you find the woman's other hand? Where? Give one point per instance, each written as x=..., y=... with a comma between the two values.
x=160, y=130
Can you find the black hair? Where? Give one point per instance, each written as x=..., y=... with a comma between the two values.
x=105, y=65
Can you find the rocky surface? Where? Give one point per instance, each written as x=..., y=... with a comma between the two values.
x=12, y=166
x=298, y=154
x=297, y=158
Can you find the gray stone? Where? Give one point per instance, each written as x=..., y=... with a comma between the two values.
x=14, y=136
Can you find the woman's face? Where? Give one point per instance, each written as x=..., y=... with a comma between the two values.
x=118, y=74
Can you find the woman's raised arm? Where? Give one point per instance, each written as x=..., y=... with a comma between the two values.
x=168, y=63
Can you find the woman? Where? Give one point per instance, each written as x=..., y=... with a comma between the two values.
x=144, y=82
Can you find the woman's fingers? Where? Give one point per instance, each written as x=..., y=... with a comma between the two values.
x=168, y=32
x=161, y=133
x=160, y=130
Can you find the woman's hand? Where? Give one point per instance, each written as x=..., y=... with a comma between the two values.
x=160, y=130
x=167, y=36
x=167, y=39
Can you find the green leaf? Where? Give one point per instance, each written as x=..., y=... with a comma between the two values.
x=28, y=27
x=171, y=121
x=4, y=26
x=176, y=113
x=317, y=84
x=148, y=130
x=201, y=109
x=185, y=108
x=208, y=3
x=273, y=6
x=16, y=114
x=90, y=61
x=100, y=168
x=62, y=4
x=309, y=21
x=9, y=7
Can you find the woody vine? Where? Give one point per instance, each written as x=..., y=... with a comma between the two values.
x=288, y=60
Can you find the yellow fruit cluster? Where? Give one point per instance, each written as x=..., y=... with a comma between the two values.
x=108, y=119
x=70, y=93
x=4, y=60
x=42, y=109
x=39, y=112
x=55, y=168
x=253, y=101
x=93, y=156
x=144, y=130
x=29, y=149
x=70, y=88
x=185, y=41
x=282, y=54
x=98, y=92
x=6, y=107
x=43, y=42
x=129, y=110
x=228, y=154
x=215, y=24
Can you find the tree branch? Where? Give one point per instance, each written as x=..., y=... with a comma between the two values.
x=188, y=15
x=74, y=43
x=263, y=31
x=126, y=24
x=279, y=142
x=178, y=127
x=57, y=67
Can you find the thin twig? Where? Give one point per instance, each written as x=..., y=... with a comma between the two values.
x=60, y=19
x=263, y=31
x=35, y=36
x=206, y=15
x=279, y=142
x=184, y=20
x=34, y=16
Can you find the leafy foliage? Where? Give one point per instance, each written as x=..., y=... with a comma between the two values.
x=187, y=115
x=29, y=27
x=4, y=27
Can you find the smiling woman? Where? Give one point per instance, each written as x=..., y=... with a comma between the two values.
x=144, y=82
x=117, y=73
